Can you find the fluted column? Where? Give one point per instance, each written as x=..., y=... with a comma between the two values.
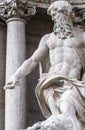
x=15, y=13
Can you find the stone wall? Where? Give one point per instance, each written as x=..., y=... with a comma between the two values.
x=2, y=73
x=49, y=1
x=36, y=28
x=46, y=3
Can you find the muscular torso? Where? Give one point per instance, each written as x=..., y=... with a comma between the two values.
x=64, y=59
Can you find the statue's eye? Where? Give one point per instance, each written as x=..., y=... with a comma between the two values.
x=53, y=14
x=60, y=11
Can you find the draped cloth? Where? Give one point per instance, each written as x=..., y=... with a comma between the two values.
x=62, y=89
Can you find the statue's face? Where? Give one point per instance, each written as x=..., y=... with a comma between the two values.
x=55, y=13
x=59, y=8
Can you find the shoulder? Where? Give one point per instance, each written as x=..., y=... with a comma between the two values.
x=46, y=36
x=80, y=33
x=78, y=30
x=44, y=39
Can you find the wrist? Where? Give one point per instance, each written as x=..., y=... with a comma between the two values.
x=16, y=76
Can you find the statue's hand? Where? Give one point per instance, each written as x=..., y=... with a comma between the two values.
x=14, y=81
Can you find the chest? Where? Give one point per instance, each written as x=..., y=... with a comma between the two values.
x=55, y=42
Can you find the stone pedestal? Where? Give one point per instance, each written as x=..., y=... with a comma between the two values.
x=15, y=101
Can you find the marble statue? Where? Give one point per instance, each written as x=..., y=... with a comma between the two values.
x=61, y=88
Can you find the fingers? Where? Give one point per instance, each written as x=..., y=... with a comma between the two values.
x=12, y=85
x=8, y=87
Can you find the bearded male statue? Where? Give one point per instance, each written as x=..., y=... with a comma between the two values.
x=60, y=91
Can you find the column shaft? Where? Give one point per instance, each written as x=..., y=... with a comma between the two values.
x=15, y=100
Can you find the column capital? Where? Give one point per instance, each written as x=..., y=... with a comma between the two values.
x=16, y=8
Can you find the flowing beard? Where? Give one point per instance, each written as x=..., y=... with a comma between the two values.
x=62, y=27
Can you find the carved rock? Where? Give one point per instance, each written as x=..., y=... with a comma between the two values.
x=16, y=8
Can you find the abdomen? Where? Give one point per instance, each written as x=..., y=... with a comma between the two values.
x=64, y=61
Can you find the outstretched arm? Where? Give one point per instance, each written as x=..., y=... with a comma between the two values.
x=28, y=66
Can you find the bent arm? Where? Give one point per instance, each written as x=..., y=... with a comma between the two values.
x=28, y=66
x=25, y=69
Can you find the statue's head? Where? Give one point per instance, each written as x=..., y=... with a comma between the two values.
x=60, y=6
x=60, y=12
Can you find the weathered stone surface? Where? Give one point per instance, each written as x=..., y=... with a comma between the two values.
x=46, y=3
x=62, y=86
x=50, y=1
x=16, y=8
x=2, y=73
x=33, y=35
x=15, y=100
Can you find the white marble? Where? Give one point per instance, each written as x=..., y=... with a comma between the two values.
x=15, y=100
x=60, y=91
